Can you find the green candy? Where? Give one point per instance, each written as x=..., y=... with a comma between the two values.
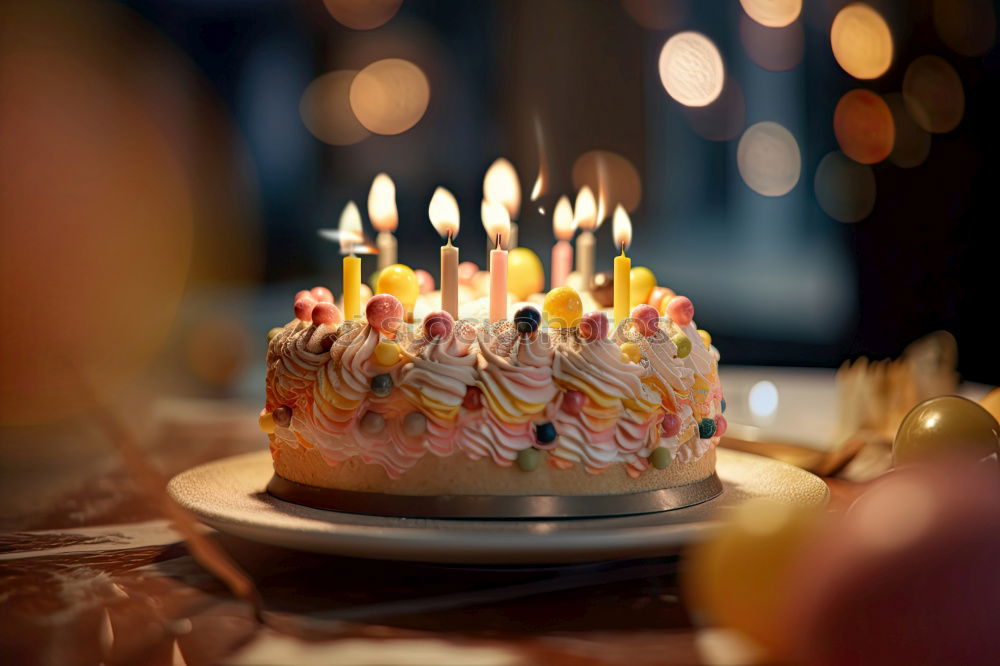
x=683, y=344
x=661, y=458
x=529, y=459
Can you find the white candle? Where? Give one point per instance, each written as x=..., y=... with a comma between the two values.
x=443, y=212
x=563, y=226
x=384, y=217
x=497, y=223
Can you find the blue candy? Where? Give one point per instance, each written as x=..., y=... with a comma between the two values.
x=706, y=428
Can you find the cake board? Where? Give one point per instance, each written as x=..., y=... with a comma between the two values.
x=230, y=495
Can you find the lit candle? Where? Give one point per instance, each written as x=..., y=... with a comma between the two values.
x=497, y=223
x=382, y=213
x=501, y=186
x=585, y=218
x=622, y=233
x=443, y=212
x=350, y=235
x=563, y=226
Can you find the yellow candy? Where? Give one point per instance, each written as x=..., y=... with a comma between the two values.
x=266, y=421
x=387, y=353
x=705, y=337
x=524, y=273
x=641, y=285
x=631, y=352
x=401, y=282
x=562, y=308
x=663, y=304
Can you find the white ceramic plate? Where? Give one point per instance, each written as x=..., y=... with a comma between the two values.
x=229, y=495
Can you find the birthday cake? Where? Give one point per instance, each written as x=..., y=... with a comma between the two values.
x=547, y=403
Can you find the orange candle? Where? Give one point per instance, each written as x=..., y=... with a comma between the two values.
x=443, y=212
x=496, y=219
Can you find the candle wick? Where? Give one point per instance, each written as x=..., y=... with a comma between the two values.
x=498, y=241
x=623, y=248
x=450, y=232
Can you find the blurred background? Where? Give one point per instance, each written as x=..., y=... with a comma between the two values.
x=818, y=177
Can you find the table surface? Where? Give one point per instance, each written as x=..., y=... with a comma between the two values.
x=92, y=572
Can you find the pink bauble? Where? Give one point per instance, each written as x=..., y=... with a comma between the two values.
x=907, y=576
x=594, y=326
x=303, y=292
x=384, y=313
x=680, y=309
x=304, y=307
x=657, y=295
x=466, y=271
x=646, y=320
x=326, y=313
x=438, y=325
x=425, y=281
x=670, y=425
x=322, y=294
x=573, y=402
x=721, y=425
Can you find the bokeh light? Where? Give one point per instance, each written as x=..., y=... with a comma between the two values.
x=691, y=69
x=763, y=399
x=390, y=96
x=772, y=13
x=968, y=27
x=768, y=159
x=933, y=94
x=610, y=174
x=657, y=14
x=362, y=14
x=861, y=41
x=863, y=126
x=325, y=108
x=723, y=119
x=845, y=190
x=774, y=49
x=913, y=143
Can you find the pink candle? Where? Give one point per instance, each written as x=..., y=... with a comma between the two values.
x=496, y=219
x=563, y=227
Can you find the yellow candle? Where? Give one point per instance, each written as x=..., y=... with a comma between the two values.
x=352, y=287
x=623, y=282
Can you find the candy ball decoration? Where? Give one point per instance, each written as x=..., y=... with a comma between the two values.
x=545, y=435
x=946, y=426
x=646, y=320
x=991, y=403
x=641, y=284
x=706, y=428
x=381, y=385
x=282, y=416
x=631, y=352
x=602, y=289
x=562, y=308
x=706, y=337
x=372, y=423
x=473, y=398
x=373, y=280
x=658, y=296
x=425, y=281
x=524, y=273
x=326, y=312
x=680, y=310
x=721, y=425
x=527, y=320
x=670, y=425
x=304, y=307
x=401, y=282
x=414, y=424
x=683, y=344
x=387, y=353
x=322, y=294
x=528, y=459
x=722, y=405
x=660, y=458
x=573, y=402
x=384, y=313
x=438, y=325
x=266, y=421
x=594, y=326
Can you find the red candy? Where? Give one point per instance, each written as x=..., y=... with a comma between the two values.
x=303, y=292
x=670, y=425
x=425, y=281
x=721, y=425
x=594, y=326
x=646, y=320
x=680, y=309
x=438, y=325
x=473, y=398
x=384, y=313
x=322, y=294
x=304, y=307
x=573, y=402
x=326, y=313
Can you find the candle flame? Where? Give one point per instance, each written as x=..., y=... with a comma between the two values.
x=349, y=229
x=443, y=212
x=496, y=221
x=585, y=211
x=382, y=203
x=500, y=185
x=621, y=228
x=541, y=182
x=563, y=224
x=602, y=191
